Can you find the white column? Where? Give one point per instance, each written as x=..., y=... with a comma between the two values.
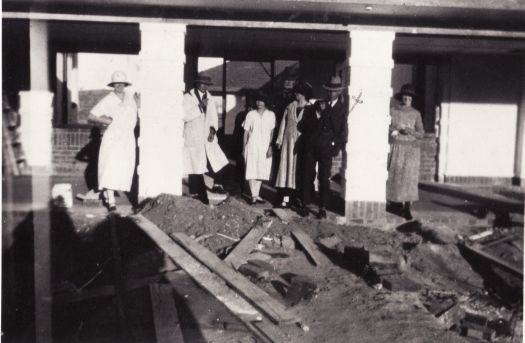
x=36, y=111
x=371, y=66
x=36, y=105
x=38, y=54
x=519, y=160
x=161, y=85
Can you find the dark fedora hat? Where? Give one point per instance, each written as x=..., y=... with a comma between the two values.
x=304, y=88
x=407, y=89
x=334, y=84
x=204, y=79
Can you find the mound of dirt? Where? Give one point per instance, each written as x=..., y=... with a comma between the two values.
x=443, y=267
x=217, y=228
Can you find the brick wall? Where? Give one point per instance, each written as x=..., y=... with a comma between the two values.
x=67, y=142
x=427, y=169
x=479, y=180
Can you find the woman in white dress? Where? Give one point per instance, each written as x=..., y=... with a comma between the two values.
x=257, y=149
x=116, y=160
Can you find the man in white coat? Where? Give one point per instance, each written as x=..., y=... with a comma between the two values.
x=201, y=147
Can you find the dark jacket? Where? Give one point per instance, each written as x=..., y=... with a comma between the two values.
x=328, y=133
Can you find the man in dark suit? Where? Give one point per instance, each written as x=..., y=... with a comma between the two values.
x=324, y=129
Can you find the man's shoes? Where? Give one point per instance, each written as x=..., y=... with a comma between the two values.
x=259, y=200
x=322, y=213
x=303, y=211
x=218, y=189
x=112, y=208
x=253, y=201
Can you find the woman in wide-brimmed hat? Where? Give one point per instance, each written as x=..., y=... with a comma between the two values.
x=406, y=129
x=289, y=144
x=116, y=160
x=257, y=148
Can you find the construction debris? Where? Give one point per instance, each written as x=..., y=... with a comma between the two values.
x=238, y=255
x=309, y=246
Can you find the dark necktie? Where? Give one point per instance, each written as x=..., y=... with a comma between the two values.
x=204, y=97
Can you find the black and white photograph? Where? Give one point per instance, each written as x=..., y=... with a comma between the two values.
x=262, y=171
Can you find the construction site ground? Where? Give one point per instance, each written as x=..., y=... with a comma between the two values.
x=348, y=304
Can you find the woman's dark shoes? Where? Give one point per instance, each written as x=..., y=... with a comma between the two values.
x=407, y=214
x=322, y=213
x=406, y=211
x=253, y=201
x=112, y=208
x=259, y=200
x=395, y=208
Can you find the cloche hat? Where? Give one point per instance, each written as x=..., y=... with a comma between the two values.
x=407, y=89
x=303, y=88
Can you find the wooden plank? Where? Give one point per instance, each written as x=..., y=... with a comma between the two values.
x=282, y=215
x=497, y=261
x=260, y=299
x=249, y=242
x=165, y=317
x=309, y=246
x=206, y=279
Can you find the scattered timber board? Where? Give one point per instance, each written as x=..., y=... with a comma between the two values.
x=165, y=317
x=282, y=215
x=238, y=255
x=273, y=309
x=309, y=246
x=495, y=260
x=208, y=280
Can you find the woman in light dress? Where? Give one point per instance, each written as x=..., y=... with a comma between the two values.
x=288, y=141
x=257, y=146
x=116, y=160
x=406, y=130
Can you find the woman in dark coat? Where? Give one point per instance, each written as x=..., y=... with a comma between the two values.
x=406, y=129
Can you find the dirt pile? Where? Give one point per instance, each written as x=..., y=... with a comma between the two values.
x=216, y=227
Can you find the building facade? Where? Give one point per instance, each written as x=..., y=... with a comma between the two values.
x=466, y=60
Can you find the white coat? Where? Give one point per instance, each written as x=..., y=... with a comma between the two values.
x=259, y=128
x=116, y=159
x=197, y=125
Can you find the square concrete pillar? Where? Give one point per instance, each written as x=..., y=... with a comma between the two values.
x=161, y=80
x=367, y=149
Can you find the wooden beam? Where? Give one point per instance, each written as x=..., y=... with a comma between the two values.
x=249, y=242
x=206, y=279
x=260, y=299
x=265, y=24
x=309, y=246
x=165, y=317
x=497, y=261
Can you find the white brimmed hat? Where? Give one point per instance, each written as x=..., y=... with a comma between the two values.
x=119, y=77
